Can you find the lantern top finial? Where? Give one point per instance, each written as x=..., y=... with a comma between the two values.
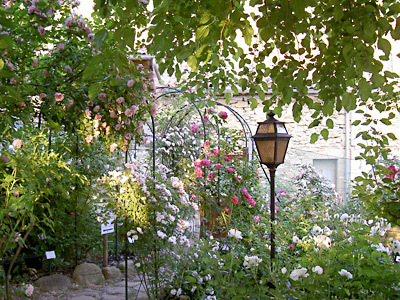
x=271, y=114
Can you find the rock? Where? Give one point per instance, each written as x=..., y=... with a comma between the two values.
x=87, y=274
x=55, y=282
x=112, y=273
x=131, y=268
x=83, y=298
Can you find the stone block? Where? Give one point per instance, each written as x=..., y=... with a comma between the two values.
x=112, y=273
x=53, y=283
x=87, y=274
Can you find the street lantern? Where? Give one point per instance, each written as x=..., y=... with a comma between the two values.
x=272, y=140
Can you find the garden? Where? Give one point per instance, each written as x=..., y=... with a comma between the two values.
x=89, y=137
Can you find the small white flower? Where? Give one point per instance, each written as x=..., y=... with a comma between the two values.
x=251, y=261
x=318, y=270
x=283, y=270
x=297, y=273
x=235, y=233
x=295, y=239
x=173, y=292
x=345, y=273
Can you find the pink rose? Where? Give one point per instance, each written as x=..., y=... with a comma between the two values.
x=102, y=96
x=235, y=199
x=113, y=146
x=113, y=114
x=216, y=151
x=256, y=219
x=42, y=95
x=41, y=30
x=134, y=109
x=205, y=162
x=34, y=63
x=96, y=108
x=197, y=162
x=60, y=47
x=130, y=83
x=211, y=176
x=68, y=69
x=70, y=102
x=120, y=100
x=124, y=148
x=89, y=138
x=91, y=37
x=127, y=122
x=198, y=171
x=68, y=21
x=223, y=115
x=218, y=166
x=117, y=127
x=59, y=97
x=128, y=113
x=194, y=128
x=230, y=170
x=127, y=136
x=45, y=73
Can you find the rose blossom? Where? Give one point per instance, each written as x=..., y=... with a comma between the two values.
x=35, y=63
x=42, y=95
x=17, y=143
x=130, y=83
x=59, y=97
x=120, y=100
x=113, y=146
x=223, y=115
x=89, y=138
x=68, y=69
x=96, y=108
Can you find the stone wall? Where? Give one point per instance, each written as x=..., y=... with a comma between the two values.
x=301, y=151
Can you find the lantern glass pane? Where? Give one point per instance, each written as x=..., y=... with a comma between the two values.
x=281, y=148
x=265, y=128
x=266, y=151
x=280, y=128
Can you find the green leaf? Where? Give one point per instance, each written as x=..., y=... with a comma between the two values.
x=254, y=103
x=228, y=97
x=248, y=32
x=314, y=138
x=386, y=121
x=349, y=101
x=385, y=46
x=266, y=33
x=192, y=63
x=94, y=90
x=202, y=32
x=325, y=133
x=396, y=32
x=392, y=136
x=1, y=64
x=329, y=123
x=365, y=89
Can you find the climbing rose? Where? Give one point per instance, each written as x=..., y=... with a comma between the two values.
x=113, y=146
x=59, y=97
x=130, y=83
x=68, y=69
x=211, y=176
x=194, y=128
x=120, y=100
x=205, y=162
x=17, y=143
x=392, y=173
x=223, y=115
x=198, y=171
x=235, y=199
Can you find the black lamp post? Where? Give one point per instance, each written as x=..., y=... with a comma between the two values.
x=272, y=141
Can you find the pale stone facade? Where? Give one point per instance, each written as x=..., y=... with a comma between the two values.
x=329, y=156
